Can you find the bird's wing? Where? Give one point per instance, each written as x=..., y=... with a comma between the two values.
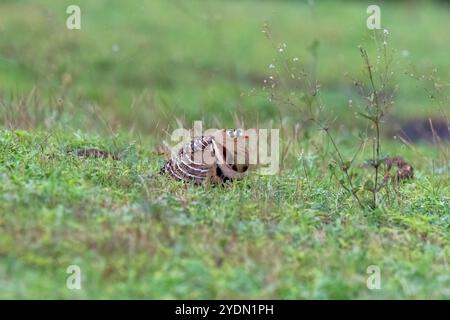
x=194, y=162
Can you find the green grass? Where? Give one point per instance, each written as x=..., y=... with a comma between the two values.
x=136, y=234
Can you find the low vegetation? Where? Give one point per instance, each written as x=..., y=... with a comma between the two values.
x=82, y=115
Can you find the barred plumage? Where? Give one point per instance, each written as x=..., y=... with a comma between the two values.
x=207, y=159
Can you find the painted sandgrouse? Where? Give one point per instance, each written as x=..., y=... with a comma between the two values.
x=217, y=158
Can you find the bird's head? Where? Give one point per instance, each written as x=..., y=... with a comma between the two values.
x=236, y=134
x=234, y=145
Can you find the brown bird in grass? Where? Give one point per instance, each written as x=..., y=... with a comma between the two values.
x=217, y=158
x=404, y=170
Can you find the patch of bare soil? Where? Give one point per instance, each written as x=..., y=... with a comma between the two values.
x=96, y=153
x=426, y=129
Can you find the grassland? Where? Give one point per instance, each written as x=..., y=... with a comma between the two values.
x=119, y=84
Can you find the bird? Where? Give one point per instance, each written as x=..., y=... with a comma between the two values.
x=404, y=170
x=217, y=158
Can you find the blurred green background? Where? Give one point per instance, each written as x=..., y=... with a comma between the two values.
x=145, y=61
